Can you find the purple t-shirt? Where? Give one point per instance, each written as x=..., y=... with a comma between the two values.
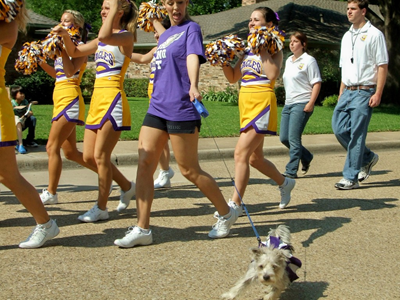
x=170, y=99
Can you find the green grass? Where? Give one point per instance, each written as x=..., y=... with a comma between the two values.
x=223, y=120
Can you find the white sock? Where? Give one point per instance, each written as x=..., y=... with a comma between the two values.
x=146, y=231
x=228, y=215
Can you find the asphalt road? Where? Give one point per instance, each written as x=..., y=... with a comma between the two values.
x=348, y=241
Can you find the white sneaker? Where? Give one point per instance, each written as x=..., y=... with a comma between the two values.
x=40, y=235
x=345, y=184
x=238, y=208
x=48, y=198
x=94, y=214
x=125, y=197
x=286, y=188
x=164, y=179
x=135, y=236
x=366, y=170
x=222, y=227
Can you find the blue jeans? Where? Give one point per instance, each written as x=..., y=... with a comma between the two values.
x=293, y=122
x=350, y=122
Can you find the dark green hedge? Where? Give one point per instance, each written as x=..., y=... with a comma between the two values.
x=37, y=87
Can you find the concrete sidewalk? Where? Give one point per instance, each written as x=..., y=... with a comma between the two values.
x=125, y=152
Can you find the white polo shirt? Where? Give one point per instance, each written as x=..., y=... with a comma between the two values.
x=299, y=77
x=367, y=48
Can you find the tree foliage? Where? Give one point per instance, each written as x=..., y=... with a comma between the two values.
x=53, y=9
x=90, y=9
x=212, y=6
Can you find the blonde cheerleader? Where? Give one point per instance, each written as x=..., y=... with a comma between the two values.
x=109, y=112
x=46, y=228
x=68, y=111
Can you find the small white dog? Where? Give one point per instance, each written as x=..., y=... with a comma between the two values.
x=273, y=265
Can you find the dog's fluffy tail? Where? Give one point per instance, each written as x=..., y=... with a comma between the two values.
x=282, y=232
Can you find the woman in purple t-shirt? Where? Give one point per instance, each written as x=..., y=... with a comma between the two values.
x=172, y=114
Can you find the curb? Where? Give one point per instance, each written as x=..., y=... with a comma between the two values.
x=34, y=163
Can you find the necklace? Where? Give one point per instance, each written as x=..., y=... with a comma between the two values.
x=353, y=42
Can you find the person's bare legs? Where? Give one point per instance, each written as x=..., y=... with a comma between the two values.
x=249, y=151
x=61, y=130
x=151, y=144
x=19, y=133
x=185, y=147
x=97, y=148
x=165, y=158
x=23, y=190
x=63, y=135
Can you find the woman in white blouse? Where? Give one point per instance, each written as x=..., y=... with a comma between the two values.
x=302, y=81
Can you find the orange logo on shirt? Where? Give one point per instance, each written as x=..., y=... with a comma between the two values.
x=363, y=37
x=301, y=66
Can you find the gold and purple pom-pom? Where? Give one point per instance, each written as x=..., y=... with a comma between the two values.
x=53, y=44
x=29, y=58
x=9, y=9
x=223, y=51
x=147, y=11
x=271, y=39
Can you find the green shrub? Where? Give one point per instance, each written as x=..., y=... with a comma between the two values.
x=330, y=101
x=87, y=83
x=136, y=87
x=230, y=95
x=280, y=95
x=37, y=87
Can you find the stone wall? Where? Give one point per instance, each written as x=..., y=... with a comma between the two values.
x=210, y=77
x=250, y=2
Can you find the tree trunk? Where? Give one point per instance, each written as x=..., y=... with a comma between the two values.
x=390, y=10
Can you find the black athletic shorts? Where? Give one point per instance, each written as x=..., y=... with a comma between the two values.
x=171, y=126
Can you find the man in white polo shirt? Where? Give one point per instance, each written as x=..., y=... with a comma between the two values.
x=364, y=62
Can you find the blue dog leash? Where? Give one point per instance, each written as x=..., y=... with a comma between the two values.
x=204, y=113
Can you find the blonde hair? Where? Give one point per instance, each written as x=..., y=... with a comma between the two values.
x=187, y=16
x=22, y=18
x=129, y=19
x=79, y=21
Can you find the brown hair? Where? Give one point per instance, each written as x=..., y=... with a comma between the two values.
x=14, y=91
x=361, y=3
x=302, y=38
x=269, y=14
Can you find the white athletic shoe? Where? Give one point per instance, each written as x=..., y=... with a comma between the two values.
x=164, y=179
x=125, y=197
x=222, y=227
x=40, y=234
x=48, y=198
x=133, y=237
x=94, y=214
x=286, y=188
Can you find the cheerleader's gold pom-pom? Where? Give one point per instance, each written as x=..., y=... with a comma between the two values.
x=223, y=51
x=147, y=11
x=272, y=39
x=9, y=9
x=29, y=58
x=53, y=44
